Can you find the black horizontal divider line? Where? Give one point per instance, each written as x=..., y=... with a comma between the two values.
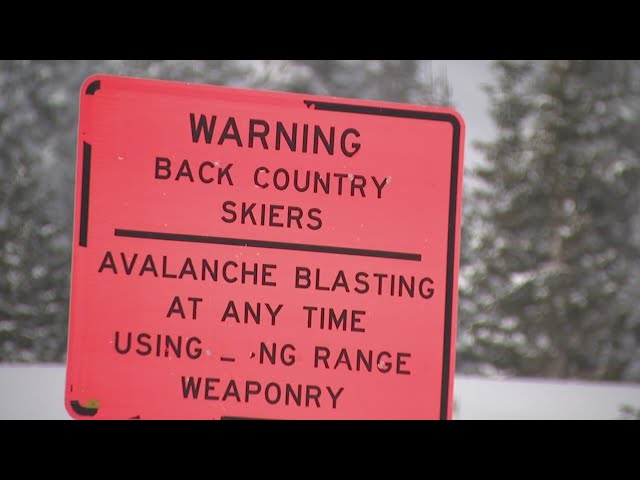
x=301, y=247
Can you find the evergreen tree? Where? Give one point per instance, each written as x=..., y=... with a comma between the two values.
x=555, y=251
x=33, y=257
x=410, y=81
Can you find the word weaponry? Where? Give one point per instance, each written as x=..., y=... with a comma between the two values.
x=250, y=391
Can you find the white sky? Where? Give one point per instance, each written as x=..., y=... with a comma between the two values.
x=466, y=78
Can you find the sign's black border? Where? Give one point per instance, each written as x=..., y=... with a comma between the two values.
x=453, y=197
x=95, y=85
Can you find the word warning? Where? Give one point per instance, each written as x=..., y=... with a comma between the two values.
x=252, y=254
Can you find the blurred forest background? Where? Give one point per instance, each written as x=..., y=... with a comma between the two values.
x=550, y=258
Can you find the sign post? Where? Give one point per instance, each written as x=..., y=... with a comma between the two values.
x=251, y=254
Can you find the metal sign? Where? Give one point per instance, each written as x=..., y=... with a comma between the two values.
x=253, y=254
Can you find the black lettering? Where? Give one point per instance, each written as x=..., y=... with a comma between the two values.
x=337, y=321
x=108, y=262
x=247, y=211
x=164, y=266
x=184, y=171
x=341, y=281
x=224, y=173
x=271, y=354
x=227, y=278
x=266, y=273
x=357, y=183
x=231, y=391
x=255, y=134
x=249, y=311
x=163, y=168
x=117, y=343
x=321, y=354
x=356, y=319
x=295, y=215
x=343, y=357
x=176, y=307
x=340, y=177
x=291, y=140
x=354, y=147
x=270, y=387
x=313, y=393
x=188, y=269
x=260, y=129
x=195, y=352
x=194, y=303
x=309, y=310
x=334, y=396
x=404, y=285
x=429, y=292
x=296, y=181
x=250, y=272
x=143, y=340
x=228, y=208
x=202, y=126
x=274, y=212
x=303, y=274
x=274, y=313
x=234, y=135
x=263, y=210
x=210, y=386
x=318, y=286
x=255, y=177
x=252, y=388
x=402, y=362
x=379, y=185
x=204, y=179
x=213, y=273
x=149, y=266
x=318, y=221
x=177, y=349
x=363, y=282
x=361, y=359
x=290, y=359
x=305, y=137
x=324, y=184
x=231, y=312
x=383, y=366
x=281, y=184
x=290, y=394
x=287, y=355
x=380, y=277
x=319, y=135
x=191, y=387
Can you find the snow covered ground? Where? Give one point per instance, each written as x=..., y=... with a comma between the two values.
x=37, y=392
x=480, y=398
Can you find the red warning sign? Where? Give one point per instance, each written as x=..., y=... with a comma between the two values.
x=252, y=254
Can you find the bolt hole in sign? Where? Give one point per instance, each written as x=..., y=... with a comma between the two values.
x=252, y=254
